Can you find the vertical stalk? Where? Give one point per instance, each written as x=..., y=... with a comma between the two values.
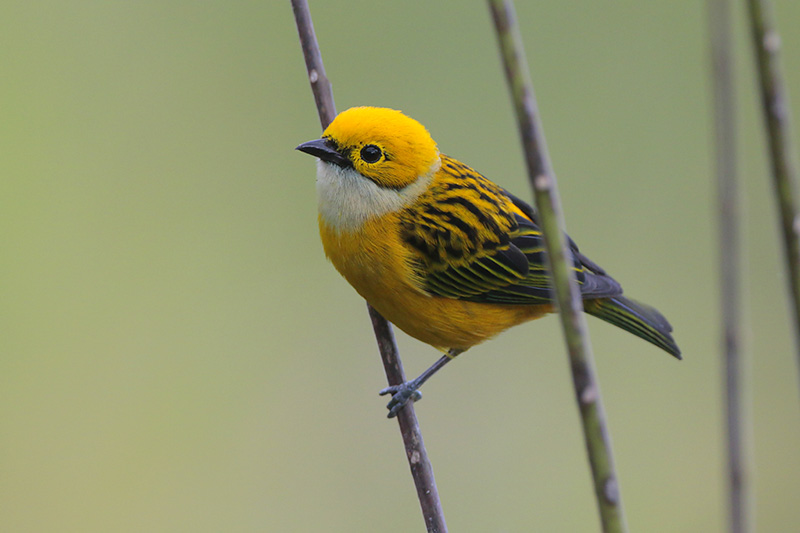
x=783, y=158
x=421, y=469
x=720, y=24
x=542, y=177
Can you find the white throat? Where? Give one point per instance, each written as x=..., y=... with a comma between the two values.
x=347, y=199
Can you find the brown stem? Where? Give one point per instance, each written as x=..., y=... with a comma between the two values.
x=720, y=24
x=421, y=469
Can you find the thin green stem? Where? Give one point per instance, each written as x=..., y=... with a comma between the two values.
x=540, y=172
x=782, y=153
x=720, y=24
x=417, y=455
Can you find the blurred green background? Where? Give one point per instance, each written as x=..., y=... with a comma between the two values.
x=177, y=354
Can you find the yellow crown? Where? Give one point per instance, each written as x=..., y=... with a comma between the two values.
x=407, y=150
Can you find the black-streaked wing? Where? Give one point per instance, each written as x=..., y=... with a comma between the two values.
x=473, y=246
x=594, y=281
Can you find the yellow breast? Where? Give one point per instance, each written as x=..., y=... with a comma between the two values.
x=375, y=262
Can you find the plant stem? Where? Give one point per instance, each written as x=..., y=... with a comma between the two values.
x=421, y=469
x=782, y=156
x=320, y=85
x=720, y=24
x=570, y=305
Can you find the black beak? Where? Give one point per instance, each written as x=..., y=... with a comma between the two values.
x=325, y=150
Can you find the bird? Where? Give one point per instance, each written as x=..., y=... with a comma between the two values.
x=443, y=253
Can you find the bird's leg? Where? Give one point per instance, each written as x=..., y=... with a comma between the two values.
x=409, y=390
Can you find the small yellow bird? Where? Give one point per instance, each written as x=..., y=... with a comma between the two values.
x=440, y=251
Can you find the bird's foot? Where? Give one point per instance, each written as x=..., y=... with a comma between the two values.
x=401, y=394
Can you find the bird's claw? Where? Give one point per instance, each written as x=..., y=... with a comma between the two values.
x=401, y=394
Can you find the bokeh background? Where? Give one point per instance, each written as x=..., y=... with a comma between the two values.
x=177, y=355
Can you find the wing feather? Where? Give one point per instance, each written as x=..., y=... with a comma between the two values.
x=470, y=242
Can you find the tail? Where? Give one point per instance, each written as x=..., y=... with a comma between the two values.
x=634, y=317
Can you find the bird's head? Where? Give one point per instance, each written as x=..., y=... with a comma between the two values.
x=373, y=160
x=383, y=145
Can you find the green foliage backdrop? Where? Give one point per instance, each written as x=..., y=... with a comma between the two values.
x=177, y=355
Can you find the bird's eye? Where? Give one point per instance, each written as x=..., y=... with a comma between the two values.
x=371, y=153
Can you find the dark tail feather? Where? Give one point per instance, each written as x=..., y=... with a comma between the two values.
x=639, y=319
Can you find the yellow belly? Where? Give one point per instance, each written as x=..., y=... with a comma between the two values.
x=374, y=261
